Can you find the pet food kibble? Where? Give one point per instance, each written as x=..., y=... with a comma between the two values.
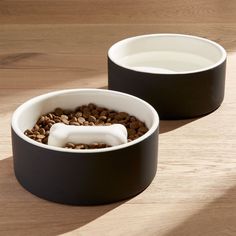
x=79, y=146
x=36, y=127
x=45, y=140
x=70, y=145
x=42, y=131
x=86, y=123
x=78, y=114
x=40, y=120
x=143, y=129
x=86, y=115
x=58, y=111
x=65, y=121
x=73, y=119
x=40, y=136
x=104, y=113
x=99, y=109
x=92, y=106
x=81, y=120
x=50, y=116
x=28, y=132
x=92, y=119
x=131, y=132
x=118, y=117
x=134, y=125
x=52, y=122
x=74, y=123
x=102, y=118
x=132, y=118
x=67, y=112
x=64, y=117
x=95, y=113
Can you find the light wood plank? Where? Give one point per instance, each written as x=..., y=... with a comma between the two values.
x=51, y=45
x=75, y=38
x=117, y=12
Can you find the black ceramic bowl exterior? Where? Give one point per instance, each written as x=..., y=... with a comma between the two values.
x=84, y=177
x=182, y=76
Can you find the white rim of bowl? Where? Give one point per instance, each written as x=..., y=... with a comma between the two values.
x=60, y=149
x=123, y=41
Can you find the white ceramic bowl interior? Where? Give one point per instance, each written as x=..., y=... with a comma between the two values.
x=28, y=113
x=167, y=53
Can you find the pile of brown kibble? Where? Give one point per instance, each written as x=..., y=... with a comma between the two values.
x=85, y=115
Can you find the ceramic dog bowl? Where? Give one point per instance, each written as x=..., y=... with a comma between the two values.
x=182, y=76
x=84, y=177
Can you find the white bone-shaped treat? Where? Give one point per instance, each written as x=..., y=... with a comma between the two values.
x=112, y=135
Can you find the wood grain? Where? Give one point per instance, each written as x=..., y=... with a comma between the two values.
x=116, y=12
x=51, y=45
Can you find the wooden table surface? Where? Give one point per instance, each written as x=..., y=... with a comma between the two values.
x=51, y=45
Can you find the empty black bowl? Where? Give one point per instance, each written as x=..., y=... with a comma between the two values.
x=182, y=76
x=84, y=177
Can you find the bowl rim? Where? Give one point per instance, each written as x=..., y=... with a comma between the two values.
x=17, y=112
x=126, y=40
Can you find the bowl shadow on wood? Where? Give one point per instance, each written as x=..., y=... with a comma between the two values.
x=104, y=87
x=26, y=214
x=169, y=125
x=217, y=218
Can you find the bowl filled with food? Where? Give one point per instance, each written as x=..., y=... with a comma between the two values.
x=85, y=146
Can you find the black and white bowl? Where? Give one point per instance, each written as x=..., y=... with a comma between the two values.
x=182, y=76
x=84, y=177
